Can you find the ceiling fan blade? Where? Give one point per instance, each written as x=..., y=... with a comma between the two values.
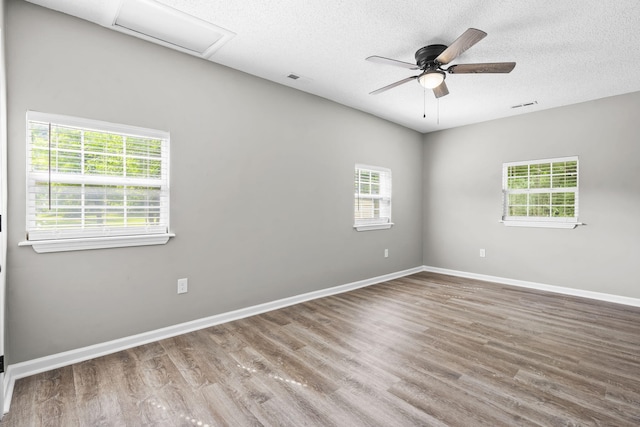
x=462, y=43
x=441, y=90
x=387, y=61
x=392, y=85
x=495, y=67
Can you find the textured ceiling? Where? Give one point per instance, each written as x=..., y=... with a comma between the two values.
x=566, y=51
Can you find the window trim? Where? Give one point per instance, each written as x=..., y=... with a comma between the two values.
x=370, y=224
x=98, y=240
x=64, y=245
x=541, y=222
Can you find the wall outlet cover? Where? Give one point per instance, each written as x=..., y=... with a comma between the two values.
x=183, y=286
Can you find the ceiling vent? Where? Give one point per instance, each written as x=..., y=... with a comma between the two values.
x=155, y=22
x=298, y=78
x=526, y=104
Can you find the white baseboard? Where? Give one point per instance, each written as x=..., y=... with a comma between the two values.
x=540, y=286
x=47, y=363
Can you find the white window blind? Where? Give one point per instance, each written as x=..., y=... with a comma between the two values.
x=372, y=198
x=88, y=179
x=541, y=191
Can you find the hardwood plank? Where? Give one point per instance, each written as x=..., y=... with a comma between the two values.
x=194, y=368
x=135, y=398
x=97, y=403
x=23, y=405
x=56, y=392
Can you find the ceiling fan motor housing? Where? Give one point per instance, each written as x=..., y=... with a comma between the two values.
x=425, y=57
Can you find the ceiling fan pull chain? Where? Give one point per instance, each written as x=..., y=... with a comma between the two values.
x=424, y=103
x=438, y=114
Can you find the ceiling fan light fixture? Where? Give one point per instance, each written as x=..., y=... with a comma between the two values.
x=431, y=79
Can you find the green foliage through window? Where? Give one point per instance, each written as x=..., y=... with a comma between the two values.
x=88, y=179
x=546, y=189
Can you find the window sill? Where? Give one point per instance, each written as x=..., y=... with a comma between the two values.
x=541, y=224
x=64, y=245
x=370, y=227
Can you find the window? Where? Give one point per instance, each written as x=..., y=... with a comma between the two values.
x=541, y=193
x=94, y=184
x=372, y=204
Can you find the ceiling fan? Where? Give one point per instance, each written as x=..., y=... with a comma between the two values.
x=431, y=58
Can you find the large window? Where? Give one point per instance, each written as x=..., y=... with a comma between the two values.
x=372, y=198
x=90, y=180
x=541, y=193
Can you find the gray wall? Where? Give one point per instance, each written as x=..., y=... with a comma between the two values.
x=261, y=186
x=462, y=197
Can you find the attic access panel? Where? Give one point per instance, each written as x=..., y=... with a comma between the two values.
x=162, y=24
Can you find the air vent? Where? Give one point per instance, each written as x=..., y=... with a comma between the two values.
x=527, y=104
x=299, y=78
x=158, y=23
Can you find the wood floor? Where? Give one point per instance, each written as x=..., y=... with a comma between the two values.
x=426, y=350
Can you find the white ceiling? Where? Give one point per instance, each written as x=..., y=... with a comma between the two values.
x=566, y=51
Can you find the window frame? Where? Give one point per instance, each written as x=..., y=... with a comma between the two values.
x=385, y=194
x=56, y=239
x=540, y=221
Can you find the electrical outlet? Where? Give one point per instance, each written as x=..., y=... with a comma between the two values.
x=183, y=286
x=483, y=253
x=386, y=253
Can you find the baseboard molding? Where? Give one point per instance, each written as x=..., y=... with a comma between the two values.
x=539, y=286
x=47, y=363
